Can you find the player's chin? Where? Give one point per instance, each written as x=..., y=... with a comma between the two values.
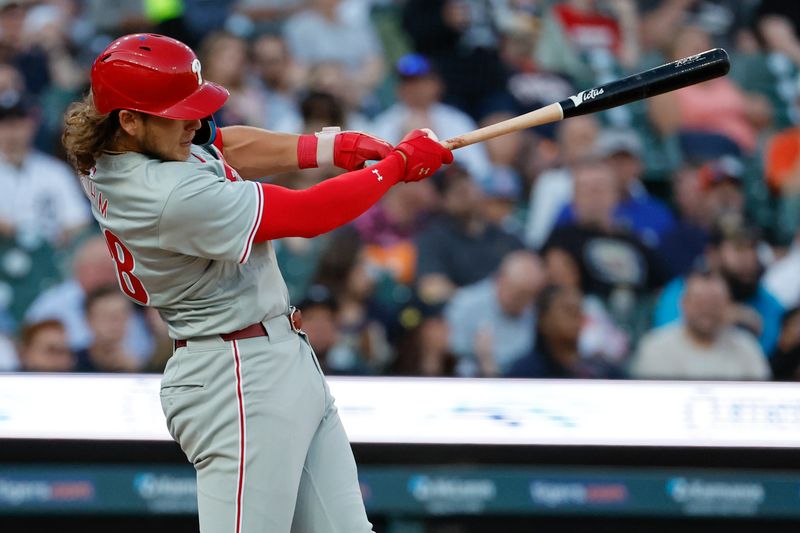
x=183, y=151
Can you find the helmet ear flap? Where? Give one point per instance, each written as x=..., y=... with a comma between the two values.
x=207, y=133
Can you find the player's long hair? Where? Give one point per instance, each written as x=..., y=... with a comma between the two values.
x=87, y=133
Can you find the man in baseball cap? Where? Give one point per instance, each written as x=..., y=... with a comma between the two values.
x=243, y=392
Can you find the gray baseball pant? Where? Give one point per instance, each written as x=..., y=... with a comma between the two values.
x=256, y=418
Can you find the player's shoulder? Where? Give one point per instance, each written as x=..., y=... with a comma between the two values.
x=201, y=168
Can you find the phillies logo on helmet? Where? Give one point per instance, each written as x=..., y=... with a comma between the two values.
x=196, y=68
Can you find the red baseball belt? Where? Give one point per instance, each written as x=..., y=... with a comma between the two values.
x=257, y=329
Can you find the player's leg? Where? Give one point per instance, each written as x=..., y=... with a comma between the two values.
x=329, y=498
x=249, y=431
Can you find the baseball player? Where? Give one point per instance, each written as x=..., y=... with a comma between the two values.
x=243, y=393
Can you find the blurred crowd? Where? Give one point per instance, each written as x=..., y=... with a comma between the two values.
x=656, y=240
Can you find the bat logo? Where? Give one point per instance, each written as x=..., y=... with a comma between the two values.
x=583, y=96
x=687, y=60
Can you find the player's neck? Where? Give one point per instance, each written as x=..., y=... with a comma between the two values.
x=124, y=143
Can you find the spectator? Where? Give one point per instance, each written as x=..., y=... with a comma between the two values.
x=108, y=313
x=723, y=20
x=733, y=254
x=503, y=187
x=163, y=345
x=638, y=211
x=388, y=229
x=552, y=190
x=224, y=59
x=704, y=345
x=594, y=254
x=460, y=37
x=785, y=362
x=782, y=278
x=40, y=196
x=361, y=319
x=529, y=86
x=92, y=268
x=719, y=109
x=332, y=78
x=22, y=50
x=44, y=348
x=778, y=25
x=782, y=172
x=419, y=105
x=277, y=76
x=423, y=347
x=558, y=352
x=321, y=34
x=502, y=192
x=492, y=323
x=702, y=195
x=320, y=312
x=459, y=247
x=580, y=40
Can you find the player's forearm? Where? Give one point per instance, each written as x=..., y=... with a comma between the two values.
x=256, y=153
x=327, y=205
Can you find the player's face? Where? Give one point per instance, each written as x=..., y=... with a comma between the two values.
x=167, y=139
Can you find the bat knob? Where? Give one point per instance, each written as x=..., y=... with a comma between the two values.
x=430, y=133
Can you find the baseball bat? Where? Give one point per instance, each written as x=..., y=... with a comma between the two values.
x=678, y=74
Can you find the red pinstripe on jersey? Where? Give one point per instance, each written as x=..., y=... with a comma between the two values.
x=248, y=245
x=242, y=437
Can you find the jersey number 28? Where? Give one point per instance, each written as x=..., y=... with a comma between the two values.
x=125, y=263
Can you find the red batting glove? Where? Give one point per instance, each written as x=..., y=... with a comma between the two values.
x=424, y=155
x=345, y=149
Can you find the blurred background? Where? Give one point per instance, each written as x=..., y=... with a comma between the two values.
x=659, y=240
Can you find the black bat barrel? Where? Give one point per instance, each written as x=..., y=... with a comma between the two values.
x=681, y=73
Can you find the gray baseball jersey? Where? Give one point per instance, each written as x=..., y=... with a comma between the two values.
x=181, y=235
x=254, y=415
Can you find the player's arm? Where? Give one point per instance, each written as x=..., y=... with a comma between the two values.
x=337, y=201
x=256, y=153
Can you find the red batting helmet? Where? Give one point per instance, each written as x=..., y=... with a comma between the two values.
x=156, y=75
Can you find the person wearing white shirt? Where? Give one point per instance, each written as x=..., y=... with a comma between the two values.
x=552, y=190
x=782, y=278
x=704, y=345
x=40, y=195
x=419, y=91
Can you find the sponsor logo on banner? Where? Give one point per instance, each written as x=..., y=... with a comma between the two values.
x=575, y=493
x=16, y=492
x=706, y=497
x=442, y=495
x=166, y=492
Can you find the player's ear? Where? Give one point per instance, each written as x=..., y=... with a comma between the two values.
x=129, y=121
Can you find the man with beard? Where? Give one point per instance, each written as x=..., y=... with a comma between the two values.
x=733, y=253
x=705, y=345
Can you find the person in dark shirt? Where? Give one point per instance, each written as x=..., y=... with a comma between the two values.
x=594, y=254
x=785, y=361
x=702, y=195
x=460, y=246
x=107, y=313
x=557, y=353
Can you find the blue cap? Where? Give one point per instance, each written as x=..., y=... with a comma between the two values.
x=503, y=183
x=413, y=65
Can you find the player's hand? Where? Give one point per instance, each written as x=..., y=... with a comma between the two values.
x=351, y=149
x=423, y=154
x=345, y=149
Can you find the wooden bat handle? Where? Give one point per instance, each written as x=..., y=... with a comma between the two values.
x=543, y=115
